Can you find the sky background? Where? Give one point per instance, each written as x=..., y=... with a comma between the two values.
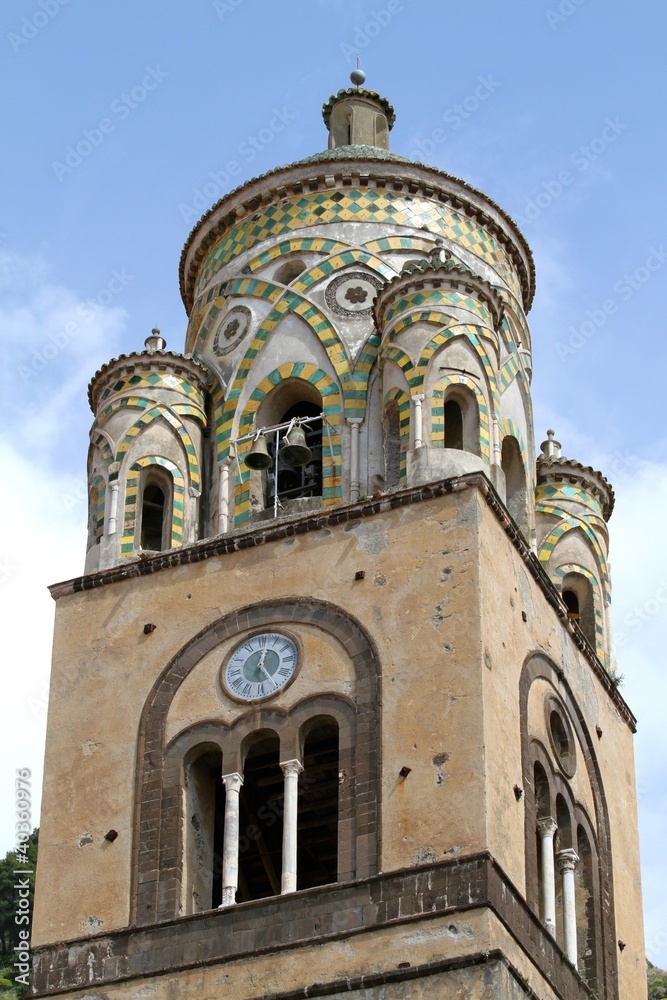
x=554, y=108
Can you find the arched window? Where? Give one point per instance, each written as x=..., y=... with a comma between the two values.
x=515, y=481
x=587, y=944
x=461, y=418
x=580, y=603
x=453, y=425
x=261, y=820
x=317, y=830
x=392, y=445
x=155, y=512
x=304, y=480
x=204, y=807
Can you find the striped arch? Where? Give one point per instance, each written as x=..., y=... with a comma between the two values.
x=331, y=447
x=508, y=428
x=558, y=576
x=340, y=261
x=403, y=400
x=316, y=244
x=388, y=243
x=401, y=359
x=444, y=298
x=214, y=301
x=102, y=441
x=155, y=380
x=570, y=523
x=475, y=335
x=160, y=410
x=438, y=413
x=131, y=499
x=290, y=302
x=97, y=495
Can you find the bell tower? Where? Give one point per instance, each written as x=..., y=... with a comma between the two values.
x=331, y=706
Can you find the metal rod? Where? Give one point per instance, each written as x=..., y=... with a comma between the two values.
x=277, y=427
x=275, y=476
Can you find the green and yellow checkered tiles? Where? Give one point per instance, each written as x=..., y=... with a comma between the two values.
x=431, y=297
x=402, y=400
x=367, y=205
x=154, y=380
x=438, y=413
x=128, y=541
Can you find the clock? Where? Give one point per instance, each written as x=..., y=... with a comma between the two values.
x=260, y=666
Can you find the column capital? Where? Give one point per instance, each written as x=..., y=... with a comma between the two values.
x=354, y=420
x=232, y=782
x=418, y=397
x=567, y=860
x=291, y=767
x=546, y=827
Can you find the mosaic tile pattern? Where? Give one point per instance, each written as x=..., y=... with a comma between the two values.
x=509, y=428
x=367, y=205
x=389, y=243
x=99, y=440
x=340, y=261
x=568, y=523
x=550, y=493
x=331, y=447
x=403, y=401
x=217, y=296
x=154, y=380
x=131, y=499
x=557, y=577
x=97, y=498
x=438, y=413
x=431, y=297
x=315, y=244
x=152, y=412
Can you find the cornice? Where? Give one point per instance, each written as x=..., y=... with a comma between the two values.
x=558, y=469
x=147, y=361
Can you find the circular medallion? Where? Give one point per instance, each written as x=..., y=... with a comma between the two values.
x=232, y=330
x=352, y=293
x=260, y=666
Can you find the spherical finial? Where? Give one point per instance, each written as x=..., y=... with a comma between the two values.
x=357, y=76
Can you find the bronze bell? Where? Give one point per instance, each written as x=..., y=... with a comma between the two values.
x=258, y=457
x=295, y=451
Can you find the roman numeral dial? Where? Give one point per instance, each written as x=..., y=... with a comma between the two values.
x=260, y=666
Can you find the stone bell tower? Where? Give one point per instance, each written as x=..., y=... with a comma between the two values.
x=330, y=708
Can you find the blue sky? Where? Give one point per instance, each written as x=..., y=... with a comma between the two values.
x=555, y=108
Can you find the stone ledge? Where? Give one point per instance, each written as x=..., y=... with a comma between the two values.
x=313, y=916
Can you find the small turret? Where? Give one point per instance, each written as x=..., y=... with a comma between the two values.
x=358, y=117
x=573, y=503
x=144, y=469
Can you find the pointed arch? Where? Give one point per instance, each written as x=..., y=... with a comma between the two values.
x=317, y=244
x=558, y=575
x=100, y=439
x=402, y=401
x=131, y=499
x=216, y=298
x=401, y=359
x=508, y=428
x=570, y=523
x=331, y=447
x=160, y=410
x=438, y=413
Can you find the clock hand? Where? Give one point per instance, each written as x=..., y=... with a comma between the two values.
x=264, y=670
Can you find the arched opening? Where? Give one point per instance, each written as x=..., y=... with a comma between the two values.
x=288, y=271
x=155, y=509
x=261, y=820
x=304, y=480
x=317, y=828
x=461, y=419
x=515, y=481
x=580, y=603
x=392, y=444
x=585, y=902
x=542, y=794
x=453, y=425
x=204, y=805
x=563, y=841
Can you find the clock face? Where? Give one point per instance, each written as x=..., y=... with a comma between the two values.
x=261, y=666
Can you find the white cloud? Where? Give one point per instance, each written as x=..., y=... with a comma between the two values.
x=45, y=419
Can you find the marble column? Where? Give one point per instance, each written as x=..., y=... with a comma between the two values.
x=230, y=853
x=567, y=862
x=291, y=769
x=547, y=829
